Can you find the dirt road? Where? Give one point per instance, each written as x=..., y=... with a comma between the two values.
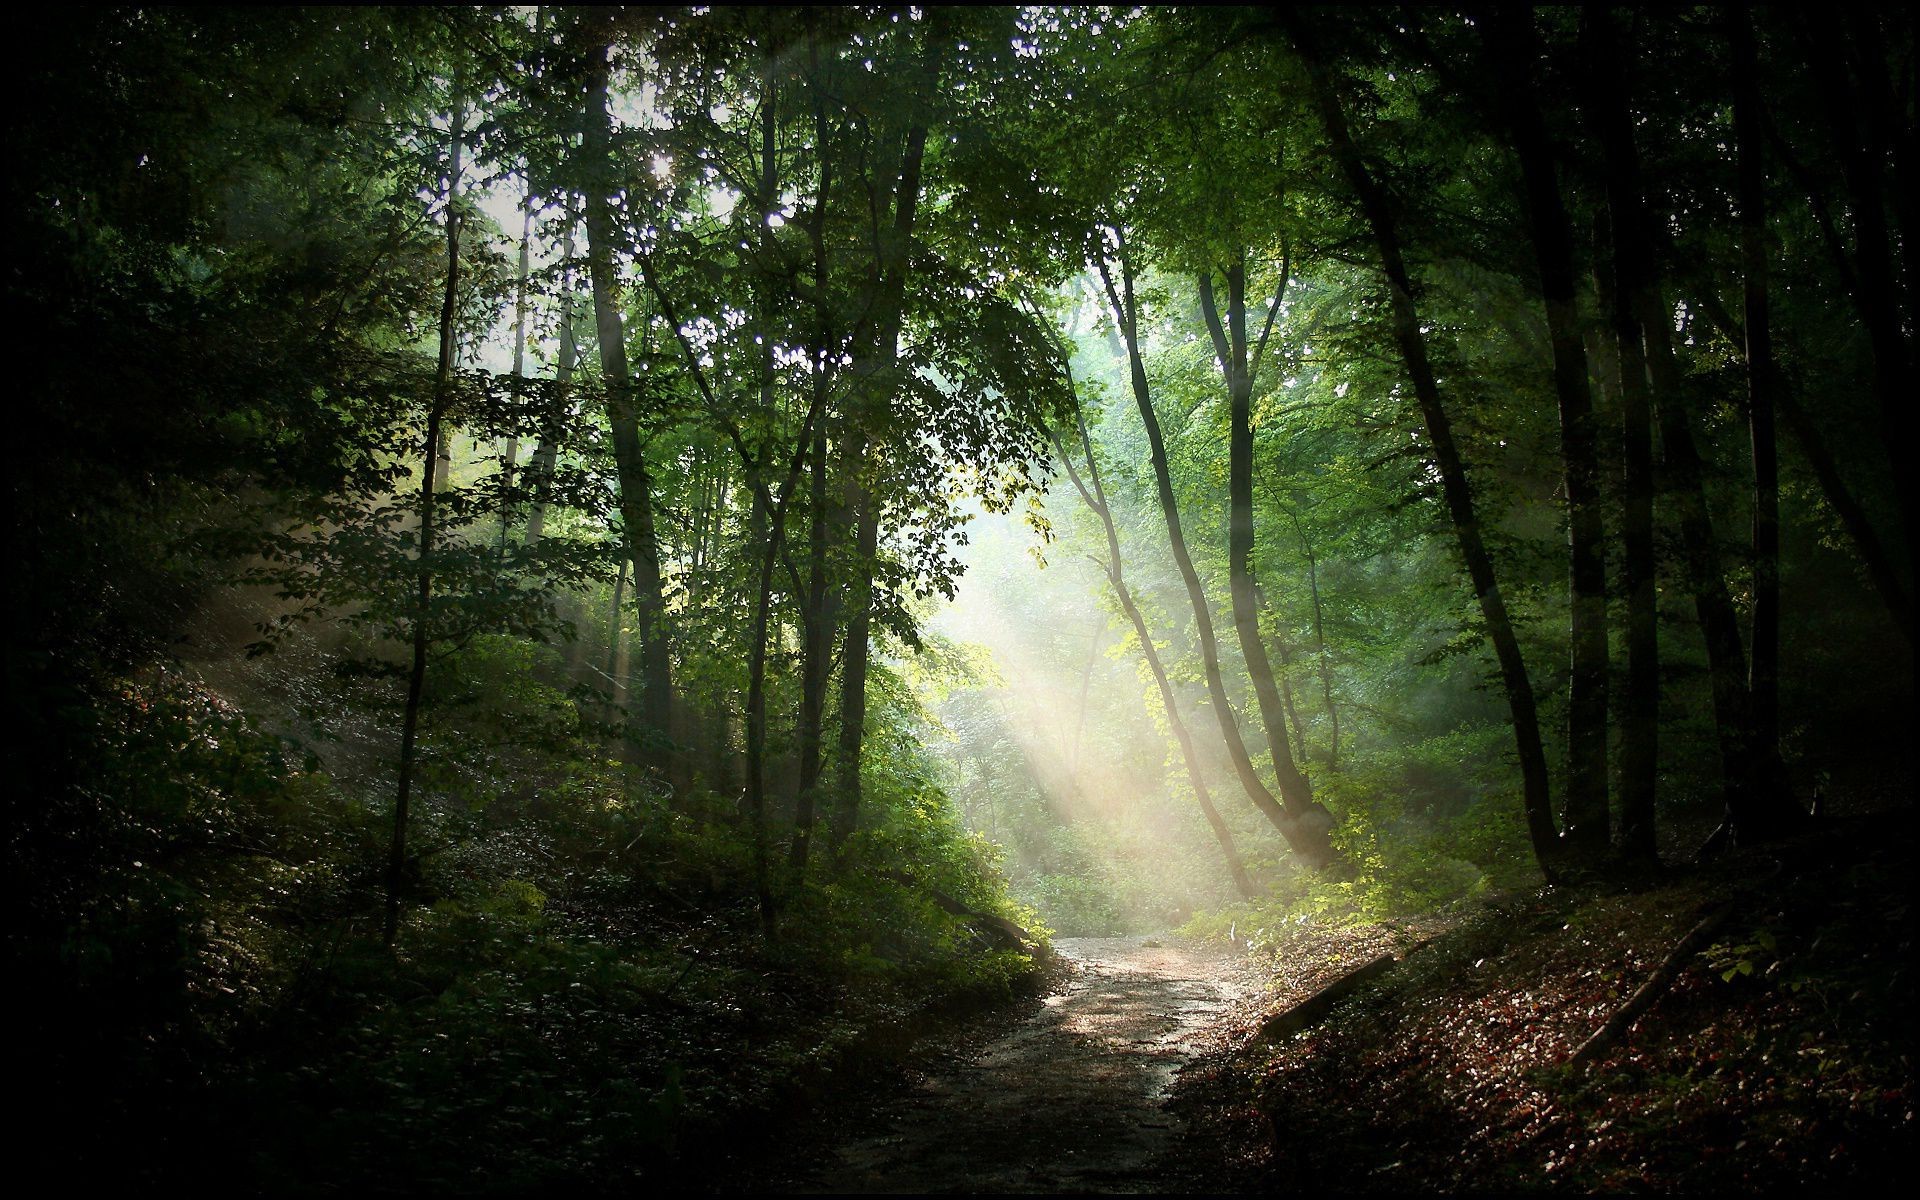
x=1069, y=1100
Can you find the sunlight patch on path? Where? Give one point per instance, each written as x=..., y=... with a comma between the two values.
x=1070, y=1100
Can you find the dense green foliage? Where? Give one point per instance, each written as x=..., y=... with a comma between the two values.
x=566, y=481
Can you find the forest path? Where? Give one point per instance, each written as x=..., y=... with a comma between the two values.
x=1072, y=1099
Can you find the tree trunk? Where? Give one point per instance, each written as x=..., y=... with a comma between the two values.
x=614, y=681
x=510, y=453
x=546, y=452
x=1763, y=668
x=1378, y=210
x=861, y=502
x=1511, y=49
x=1238, y=366
x=1320, y=642
x=1881, y=572
x=1875, y=298
x=1640, y=287
x=817, y=604
x=1096, y=500
x=1640, y=708
x=1309, y=838
x=757, y=731
x=423, y=595
x=636, y=485
x=816, y=653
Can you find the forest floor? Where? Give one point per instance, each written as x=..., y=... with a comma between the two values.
x=1781, y=1055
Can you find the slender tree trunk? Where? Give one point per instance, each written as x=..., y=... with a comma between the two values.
x=816, y=652
x=1080, y=708
x=510, y=454
x=1511, y=49
x=1096, y=500
x=757, y=731
x=636, y=483
x=1320, y=642
x=1378, y=210
x=1640, y=708
x=546, y=452
x=1881, y=572
x=1286, y=697
x=817, y=608
x=1763, y=668
x=1640, y=287
x=614, y=681
x=1876, y=297
x=862, y=507
x=862, y=504
x=1237, y=365
x=1893, y=139
x=1309, y=838
x=423, y=594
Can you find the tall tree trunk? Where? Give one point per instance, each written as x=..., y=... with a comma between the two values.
x=1638, y=280
x=1378, y=211
x=1320, y=642
x=862, y=507
x=816, y=653
x=653, y=730
x=546, y=452
x=1876, y=296
x=757, y=730
x=1238, y=364
x=1294, y=722
x=423, y=593
x=1308, y=837
x=1763, y=668
x=1511, y=48
x=861, y=502
x=614, y=681
x=816, y=604
x=510, y=453
x=1640, y=707
x=1095, y=498
x=1893, y=139
x=1881, y=572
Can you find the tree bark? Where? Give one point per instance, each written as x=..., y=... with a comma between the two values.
x=1094, y=495
x=546, y=452
x=1640, y=707
x=817, y=603
x=861, y=502
x=652, y=729
x=1320, y=642
x=1377, y=208
x=1876, y=297
x=1763, y=667
x=1639, y=283
x=1309, y=838
x=423, y=593
x=1238, y=362
x=510, y=453
x=1511, y=48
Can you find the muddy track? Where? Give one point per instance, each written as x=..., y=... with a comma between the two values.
x=1069, y=1099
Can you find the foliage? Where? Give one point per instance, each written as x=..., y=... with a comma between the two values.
x=742, y=711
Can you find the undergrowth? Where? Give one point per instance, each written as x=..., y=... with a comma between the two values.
x=579, y=993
